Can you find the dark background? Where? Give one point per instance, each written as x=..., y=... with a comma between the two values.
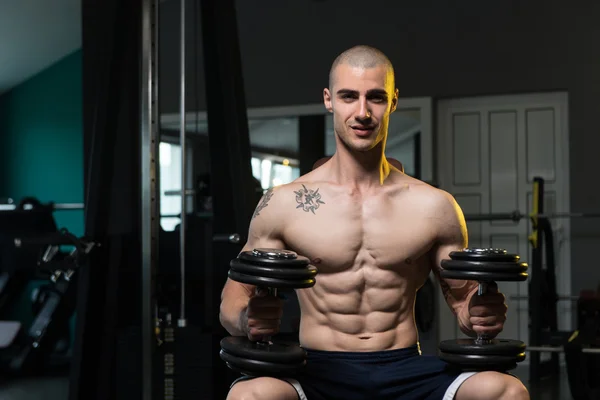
x=440, y=49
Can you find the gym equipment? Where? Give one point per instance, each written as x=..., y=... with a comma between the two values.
x=542, y=295
x=29, y=202
x=18, y=266
x=581, y=349
x=537, y=212
x=517, y=216
x=485, y=266
x=271, y=269
x=25, y=351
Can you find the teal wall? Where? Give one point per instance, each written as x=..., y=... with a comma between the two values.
x=41, y=149
x=41, y=139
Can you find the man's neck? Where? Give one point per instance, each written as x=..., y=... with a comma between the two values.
x=361, y=170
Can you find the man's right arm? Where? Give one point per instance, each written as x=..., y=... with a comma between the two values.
x=265, y=232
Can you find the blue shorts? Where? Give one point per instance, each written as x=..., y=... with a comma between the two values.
x=384, y=375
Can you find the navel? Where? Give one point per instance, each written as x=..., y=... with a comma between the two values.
x=315, y=261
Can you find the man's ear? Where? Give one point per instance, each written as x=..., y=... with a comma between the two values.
x=327, y=100
x=394, y=101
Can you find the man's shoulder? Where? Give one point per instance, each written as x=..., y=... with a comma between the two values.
x=422, y=188
x=437, y=196
x=294, y=186
x=287, y=193
x=434, y=199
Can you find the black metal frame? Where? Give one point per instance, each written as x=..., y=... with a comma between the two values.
x=543, y=313
x=108, y=304
x=233, y=189
x=115, y=348
x=542, y=298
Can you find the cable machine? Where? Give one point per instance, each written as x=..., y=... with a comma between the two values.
x=118, y=352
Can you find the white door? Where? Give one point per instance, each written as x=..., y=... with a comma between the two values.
x=489, y=150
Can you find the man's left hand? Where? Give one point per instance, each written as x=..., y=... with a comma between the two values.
x=485, y=314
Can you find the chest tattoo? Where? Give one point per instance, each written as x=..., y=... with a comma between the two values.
x=308, y=200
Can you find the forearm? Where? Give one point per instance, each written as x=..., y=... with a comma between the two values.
x=232, y=316
x=232, y=313
x=462, y=310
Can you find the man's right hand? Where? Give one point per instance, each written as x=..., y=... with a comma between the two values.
x=262, y=316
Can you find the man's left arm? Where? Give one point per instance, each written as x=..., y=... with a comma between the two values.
x=482, y=314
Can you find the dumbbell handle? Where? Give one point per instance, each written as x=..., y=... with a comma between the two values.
x=481, y=290
x=272, y=292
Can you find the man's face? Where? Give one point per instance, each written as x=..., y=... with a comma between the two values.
x=361, y=100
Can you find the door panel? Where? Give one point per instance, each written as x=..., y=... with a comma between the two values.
x=489, y=150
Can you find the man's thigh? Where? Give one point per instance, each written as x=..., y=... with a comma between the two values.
x=262, y=389
x=490, y=385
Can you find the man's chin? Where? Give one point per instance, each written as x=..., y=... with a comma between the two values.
x=364, y=147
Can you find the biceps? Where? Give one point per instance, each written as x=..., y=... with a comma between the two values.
x=256, y=240
x=265, y=231
x=263, y=241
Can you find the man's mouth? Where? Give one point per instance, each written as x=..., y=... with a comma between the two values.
x=362, y=130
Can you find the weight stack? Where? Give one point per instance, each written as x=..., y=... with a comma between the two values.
x=184, y=365
x=128, y=367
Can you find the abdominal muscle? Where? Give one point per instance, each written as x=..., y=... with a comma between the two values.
x=359, y=309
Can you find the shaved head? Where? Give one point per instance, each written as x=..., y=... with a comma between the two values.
x=361, y=96
x=362, y=57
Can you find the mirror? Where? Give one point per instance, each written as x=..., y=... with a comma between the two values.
x=274, y=146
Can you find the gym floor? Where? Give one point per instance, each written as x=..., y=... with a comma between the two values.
x=57, y=388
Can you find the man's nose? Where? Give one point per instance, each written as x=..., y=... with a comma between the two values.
x=363, y=111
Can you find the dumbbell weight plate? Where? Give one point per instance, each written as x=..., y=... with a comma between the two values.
x=496, y=354
x=475, y=254
x=484, y=265
x=486, y=276
x=471, y=362
x=281, y=353
x=264, y=359
x=273, y=270
x=260, y=368
x=463, y=265
x=500, y=347
x=273, y=257
x=265, y=281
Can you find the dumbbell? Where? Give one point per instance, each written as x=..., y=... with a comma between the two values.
x=269, y=269
x=485, y=266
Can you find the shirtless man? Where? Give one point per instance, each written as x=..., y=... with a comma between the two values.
x=374, y=234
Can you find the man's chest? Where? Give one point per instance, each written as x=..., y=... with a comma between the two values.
x=345, y=236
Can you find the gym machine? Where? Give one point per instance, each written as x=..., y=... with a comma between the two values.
x=581, y=346
x=127, y=344
x=33, y=249
x=10, y=206
x=18, y=267
x=30, y=350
